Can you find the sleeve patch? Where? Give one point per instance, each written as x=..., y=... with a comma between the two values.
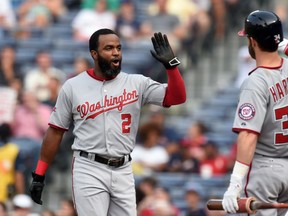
x=246, y=111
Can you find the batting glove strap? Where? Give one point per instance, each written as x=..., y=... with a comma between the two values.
x=230, y=197
x=173, y=62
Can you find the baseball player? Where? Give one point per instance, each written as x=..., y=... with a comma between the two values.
x=261, y=166
x=104, y=104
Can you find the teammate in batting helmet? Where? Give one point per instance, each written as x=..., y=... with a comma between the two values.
x=265, y=27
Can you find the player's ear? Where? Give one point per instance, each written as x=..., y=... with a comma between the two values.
x=253, y=42
x=94, y=54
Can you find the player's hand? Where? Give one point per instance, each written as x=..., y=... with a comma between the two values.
x=229, y=202
x=163, y=51
x=36, y=188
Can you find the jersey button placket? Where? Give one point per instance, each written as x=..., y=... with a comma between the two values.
x=105, y=115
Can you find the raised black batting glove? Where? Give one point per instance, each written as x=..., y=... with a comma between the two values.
x=163, y=51
x=36, y=188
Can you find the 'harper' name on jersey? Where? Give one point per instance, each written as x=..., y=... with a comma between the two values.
x=279, y=90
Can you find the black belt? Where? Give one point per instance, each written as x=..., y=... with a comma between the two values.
x=115, y=162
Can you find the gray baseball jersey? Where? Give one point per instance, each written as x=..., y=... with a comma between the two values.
x=105, y=113
x=263, y=109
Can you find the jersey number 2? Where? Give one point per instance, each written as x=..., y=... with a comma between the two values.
x=126, y=122
x=280, y=138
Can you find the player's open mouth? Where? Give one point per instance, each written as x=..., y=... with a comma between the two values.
x=116, y=63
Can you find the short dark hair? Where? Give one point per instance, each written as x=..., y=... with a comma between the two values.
x=153, y=182
x=146, y=129
x=94, y=39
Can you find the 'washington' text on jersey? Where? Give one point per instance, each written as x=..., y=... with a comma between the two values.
x=279, y=91
x=109, y=103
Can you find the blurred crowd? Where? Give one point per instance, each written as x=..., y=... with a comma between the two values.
x=29, y=89
x=22, y=205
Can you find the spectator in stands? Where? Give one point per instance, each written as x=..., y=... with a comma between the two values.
x=139, y=195
x=194, y=204
x=29, y=125
x=213, y=163
x=169, y=139
x=66, y=208
x=235, y=10
x=73, y=5
x=32, y=14
x=57, y=9
x=37, y=79
x=48, y=212
x=127, y=25
x=10, y=72
x=148, y=156
x=7, y=16
x=54, y=85
x=197, y=22
x=194, y=139
x=218, y=13
x=112, y=5
x=168, y=134
x=147, y=185
x=189, y=164
x=3, y=209
x=81, y=64
x=245, y=64
x=22, y=206
x=159, y=203
x=31, y=118
x=159, y=19
x=12, y=179
x=87, y=21
x=145, y=188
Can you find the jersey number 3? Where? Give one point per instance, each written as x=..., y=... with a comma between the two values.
x=126, y=123
x=280, y=138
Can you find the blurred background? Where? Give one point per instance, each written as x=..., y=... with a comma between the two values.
x=183, y=155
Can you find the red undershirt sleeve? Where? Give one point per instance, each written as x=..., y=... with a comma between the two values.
x=175, y=92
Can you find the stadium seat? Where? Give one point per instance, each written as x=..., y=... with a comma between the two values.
x=70, y=44
x=25, y=56
x=63, y=31
x=35, y=43
x=62, y=57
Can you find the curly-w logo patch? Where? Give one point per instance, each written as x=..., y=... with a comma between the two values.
x=246, y=111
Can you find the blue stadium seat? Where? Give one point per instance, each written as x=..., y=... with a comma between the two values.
x=68, y=17
x=57, y=31
x=7, y=41
x=25, y=55
x=70, y=44
x=62, y=57
x=169, y=180
x=35, y=43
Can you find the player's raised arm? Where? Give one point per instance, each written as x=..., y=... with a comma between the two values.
x=176, y=92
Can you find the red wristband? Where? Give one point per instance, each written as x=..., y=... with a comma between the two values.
x=41, y=167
